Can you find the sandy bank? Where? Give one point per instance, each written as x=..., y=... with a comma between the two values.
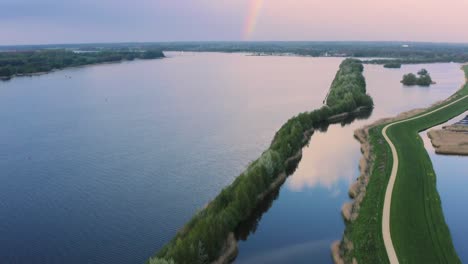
x=450, y=140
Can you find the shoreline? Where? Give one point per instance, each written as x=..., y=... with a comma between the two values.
x=33, y=74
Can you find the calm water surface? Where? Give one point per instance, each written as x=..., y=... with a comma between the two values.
x=305, y=218
x=104, y=164
x=452, y=179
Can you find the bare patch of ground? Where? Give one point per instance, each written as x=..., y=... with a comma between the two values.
x=450, y=140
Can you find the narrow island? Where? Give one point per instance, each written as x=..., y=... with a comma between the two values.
x=451, y=140
x=209, y=236
x=422, y=79
x=392, y=65
x=23, y=63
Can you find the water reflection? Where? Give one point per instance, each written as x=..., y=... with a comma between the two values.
x=107, y=165
x=321, y=153
x=296, y=246
x=328, y=159
x=285, y=254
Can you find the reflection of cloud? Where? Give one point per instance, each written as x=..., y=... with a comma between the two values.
x=336, y=193
x=285, y=254
x=329, y=158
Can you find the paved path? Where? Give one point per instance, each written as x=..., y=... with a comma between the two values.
x=392, y=256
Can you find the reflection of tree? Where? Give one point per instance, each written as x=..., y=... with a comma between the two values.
x=360, y=115
x=249, y=226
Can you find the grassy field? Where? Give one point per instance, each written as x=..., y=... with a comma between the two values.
x=418, y=228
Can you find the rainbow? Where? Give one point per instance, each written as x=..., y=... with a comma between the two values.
x=252, y=17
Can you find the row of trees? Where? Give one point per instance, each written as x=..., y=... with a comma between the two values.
x=392, y=65
x=348, y=89
x=422, y=79
x=28, y=62
x=203, y=237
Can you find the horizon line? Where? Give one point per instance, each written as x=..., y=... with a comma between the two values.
x=236, y=41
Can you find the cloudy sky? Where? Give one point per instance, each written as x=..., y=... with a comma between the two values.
x=73, y=21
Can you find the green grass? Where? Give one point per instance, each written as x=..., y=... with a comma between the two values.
x=418, y=228
x=365, y=231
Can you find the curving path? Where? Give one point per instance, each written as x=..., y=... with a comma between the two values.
x=392, y=256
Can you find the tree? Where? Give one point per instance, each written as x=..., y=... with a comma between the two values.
x=422, y=72
x=424, y=80
x=409, y=79
x=5, y=72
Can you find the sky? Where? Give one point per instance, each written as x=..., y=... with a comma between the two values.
x=88, y=21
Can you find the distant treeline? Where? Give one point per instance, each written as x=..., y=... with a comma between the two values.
x=30, y=62
x=430, y=58
x=204, y=236
x=392, y=65
x=407, y=52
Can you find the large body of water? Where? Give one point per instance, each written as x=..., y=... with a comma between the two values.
x=452, y=179
x=103, y=164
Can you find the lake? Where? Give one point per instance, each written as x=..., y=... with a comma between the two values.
x=103, y=164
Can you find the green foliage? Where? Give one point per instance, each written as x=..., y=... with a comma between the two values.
x=423, y=79
x=348, y=90
x=392, y=65
x=6, y=71
x=423, y=72
x=28, y=62
x=409, y=79
x=202, y=238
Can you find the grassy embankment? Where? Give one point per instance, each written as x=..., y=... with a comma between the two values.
x=204, y=237
x=418, y=229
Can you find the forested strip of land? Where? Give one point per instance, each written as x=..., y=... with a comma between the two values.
x=203, y=238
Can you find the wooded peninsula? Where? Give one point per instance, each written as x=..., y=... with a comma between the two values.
x=18, y=63
x=208, y=236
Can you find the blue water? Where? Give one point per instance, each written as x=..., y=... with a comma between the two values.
x=104, y=164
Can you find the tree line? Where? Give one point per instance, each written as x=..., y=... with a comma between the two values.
x=202, y=239
x=29, y=62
